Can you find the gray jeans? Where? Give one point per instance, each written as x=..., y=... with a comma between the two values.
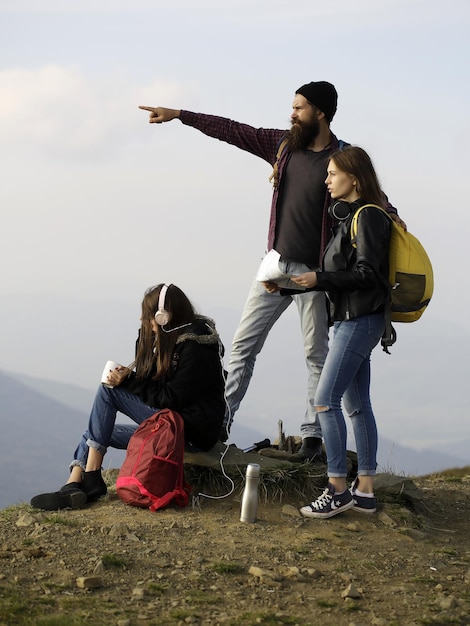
x=261, y=311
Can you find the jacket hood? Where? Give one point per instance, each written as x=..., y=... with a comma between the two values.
x=202, y=331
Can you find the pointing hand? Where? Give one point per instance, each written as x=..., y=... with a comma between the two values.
x=160, y=114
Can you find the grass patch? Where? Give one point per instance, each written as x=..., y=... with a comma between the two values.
x=183, y=614
x=13, y=511
x=294, y=480
x=112, y=560
x=224, y=567
x=202, y=597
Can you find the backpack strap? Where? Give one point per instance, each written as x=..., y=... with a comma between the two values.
x=390, y=336
x=274, y=178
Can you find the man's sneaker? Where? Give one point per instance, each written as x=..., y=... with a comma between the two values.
x=311, y=450
x=328, y=504
x=362, y=504
x=68, y=497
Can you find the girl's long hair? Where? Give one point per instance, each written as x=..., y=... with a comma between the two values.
x=356, y=162
x=154, y=351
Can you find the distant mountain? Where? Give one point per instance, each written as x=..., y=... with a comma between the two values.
x=42, y=421
x=41, y=424
x=36, y=444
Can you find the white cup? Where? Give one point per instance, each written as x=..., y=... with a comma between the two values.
x=109, y=367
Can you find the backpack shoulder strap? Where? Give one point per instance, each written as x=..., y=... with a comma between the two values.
x=274, y=178
x=356, y=217
x=390, y=336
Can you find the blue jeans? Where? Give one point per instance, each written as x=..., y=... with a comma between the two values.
x=102, y=430
x=261, y=311
x=346, y=376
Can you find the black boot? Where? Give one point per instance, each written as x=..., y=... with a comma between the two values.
x=93, y=485
x=311, y=450
x=70, y=496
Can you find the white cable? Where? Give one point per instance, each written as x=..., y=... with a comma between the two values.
x=205, y=495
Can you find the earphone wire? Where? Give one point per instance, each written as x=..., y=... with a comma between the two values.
x=195, y=500
x=175, y=328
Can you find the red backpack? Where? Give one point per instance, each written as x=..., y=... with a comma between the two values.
x=152, y=475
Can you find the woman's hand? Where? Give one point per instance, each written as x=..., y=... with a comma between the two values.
x=307, y=280
x=118, y=375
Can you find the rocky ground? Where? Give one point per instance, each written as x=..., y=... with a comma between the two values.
x=112, y=564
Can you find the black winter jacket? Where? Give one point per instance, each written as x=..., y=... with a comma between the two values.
x=356, y=278
x=194, y=387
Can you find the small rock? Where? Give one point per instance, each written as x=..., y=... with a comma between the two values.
x=351, y=592
x=25, y=520
x=119, y=530
x=290, y=510
x=138, y=593
x=448, y=603
x=292, y=572
x=132, y=537
x=263, y=573
x=89, y=582
x=415, y=534
x=386, y=519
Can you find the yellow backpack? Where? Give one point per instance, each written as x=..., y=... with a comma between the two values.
x=410, y=276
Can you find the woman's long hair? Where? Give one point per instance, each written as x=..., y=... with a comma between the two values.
x=356, y=162
x=154, y=351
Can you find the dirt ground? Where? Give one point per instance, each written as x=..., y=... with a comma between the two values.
x=113, y=564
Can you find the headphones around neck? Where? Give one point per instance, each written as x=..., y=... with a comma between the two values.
x=340, y=210
x=162, y=316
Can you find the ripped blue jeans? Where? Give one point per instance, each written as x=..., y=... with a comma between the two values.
x=346, y=377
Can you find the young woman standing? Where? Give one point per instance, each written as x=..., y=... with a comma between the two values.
x=355, y=278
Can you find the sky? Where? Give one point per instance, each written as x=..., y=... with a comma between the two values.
x=97, y=205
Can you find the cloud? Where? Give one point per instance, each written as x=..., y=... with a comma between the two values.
x=61, y=112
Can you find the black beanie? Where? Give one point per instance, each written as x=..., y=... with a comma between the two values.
x=321, y=94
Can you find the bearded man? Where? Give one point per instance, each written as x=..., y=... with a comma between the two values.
x=299, y=229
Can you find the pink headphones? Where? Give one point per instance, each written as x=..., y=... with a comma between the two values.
x=162, y=317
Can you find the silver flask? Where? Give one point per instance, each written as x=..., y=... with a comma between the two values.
x=249, y=506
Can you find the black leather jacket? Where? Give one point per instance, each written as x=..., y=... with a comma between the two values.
x=356, y=278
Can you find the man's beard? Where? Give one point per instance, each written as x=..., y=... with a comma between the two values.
x=302, y=134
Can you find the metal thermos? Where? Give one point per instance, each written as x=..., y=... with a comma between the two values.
x=250, y=494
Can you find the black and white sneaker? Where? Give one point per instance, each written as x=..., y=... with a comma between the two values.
x=328, y=504
x=363, y=504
